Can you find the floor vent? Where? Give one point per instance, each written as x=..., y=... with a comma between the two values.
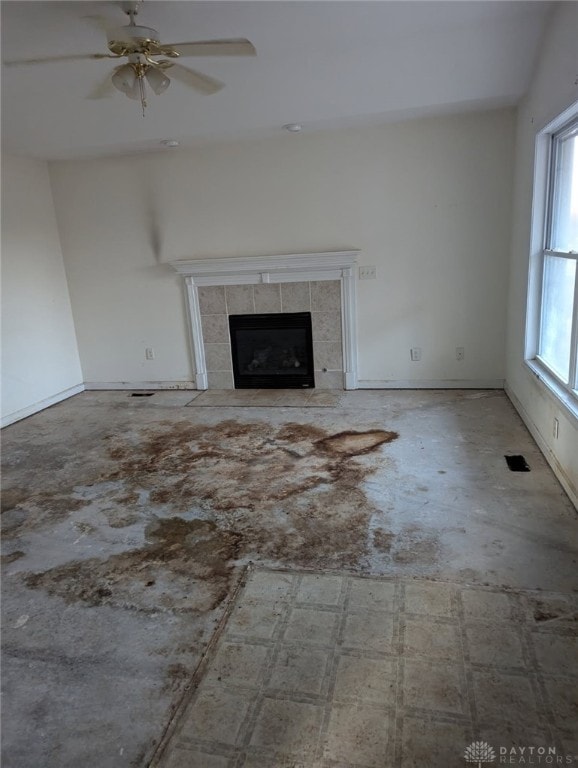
x=142, y=394
x=517, y=463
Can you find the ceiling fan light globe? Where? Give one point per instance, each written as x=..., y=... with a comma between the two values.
x=134, y=92
x=125, y=79
x=157, y=80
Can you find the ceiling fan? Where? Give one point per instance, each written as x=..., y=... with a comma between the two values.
x=142, y=48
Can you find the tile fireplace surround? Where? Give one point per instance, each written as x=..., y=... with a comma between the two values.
x=320, y=283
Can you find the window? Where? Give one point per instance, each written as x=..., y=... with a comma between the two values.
x=553, y=339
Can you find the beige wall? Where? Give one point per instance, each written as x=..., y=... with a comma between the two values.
x=553, y=90
x=427, y=202
x=40, y=362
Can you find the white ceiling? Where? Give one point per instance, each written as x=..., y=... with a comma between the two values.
x=322, y=64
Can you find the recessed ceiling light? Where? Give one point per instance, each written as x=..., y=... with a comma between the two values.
x=169, y=143
x=293, y=127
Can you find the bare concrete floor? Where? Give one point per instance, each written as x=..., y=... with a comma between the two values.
x=127, y=523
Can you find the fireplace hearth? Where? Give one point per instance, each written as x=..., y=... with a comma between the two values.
x=272, y=351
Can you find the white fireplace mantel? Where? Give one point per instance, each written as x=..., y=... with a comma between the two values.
x=289, y=268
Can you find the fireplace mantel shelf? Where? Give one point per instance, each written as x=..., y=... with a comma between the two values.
x=246, y=270
x=287, y=268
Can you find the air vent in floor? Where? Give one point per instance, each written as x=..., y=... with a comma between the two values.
x=517, y=463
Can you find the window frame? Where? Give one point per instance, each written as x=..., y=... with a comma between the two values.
x=547, y=144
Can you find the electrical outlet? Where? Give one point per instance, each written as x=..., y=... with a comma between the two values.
x=460, y=353
x=415, y=354
x=149, y=353
x=555, y=428
x=367, y=273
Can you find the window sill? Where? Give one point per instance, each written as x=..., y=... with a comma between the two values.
x=563, y=398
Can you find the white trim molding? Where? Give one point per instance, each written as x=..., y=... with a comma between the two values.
x=539, y=238
x=431, y=384
x=288, y=268
x=23, y=413
x=566, y=482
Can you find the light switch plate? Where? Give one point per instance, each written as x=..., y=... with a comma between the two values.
x=367, y=273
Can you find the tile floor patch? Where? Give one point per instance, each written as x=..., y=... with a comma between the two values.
x=369, y=632
x=319, y=589
x=263, y=588
x=183, y=758
x=430, y=599
x=514, y=735
x=288, y=727
x=433, y=686
x=217, y=716
x=563, y=697
x=254, y=619
x=486, y=605
x=311, y=627
x=369, y=680
x=505, y=697
x=271, y=760
x=556, y=653
x=296, y=671
x=485, y=650
x=239, y=664
x=359, y=735
x=431, y=743
x=334, y=671
x=370, y=594
x=431, y=638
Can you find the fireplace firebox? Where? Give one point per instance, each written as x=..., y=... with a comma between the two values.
x=273, y=351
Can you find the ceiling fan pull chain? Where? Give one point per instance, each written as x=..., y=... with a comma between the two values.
x=143, y=93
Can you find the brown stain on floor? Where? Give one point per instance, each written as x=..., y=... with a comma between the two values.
x=415, y=545
x=184, y=566
x=355, y=443
x=234, y=466
x=290, y=494
x=382, y=540
x=561, y=610
x=33, y=510
x=12, y=557
x=11, y=497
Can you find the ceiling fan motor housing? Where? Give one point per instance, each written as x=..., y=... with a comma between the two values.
x=132, y=38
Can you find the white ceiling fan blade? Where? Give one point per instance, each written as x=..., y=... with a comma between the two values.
x=104, y=89
x=236, y=47
x=194, y=79
x=53, y=59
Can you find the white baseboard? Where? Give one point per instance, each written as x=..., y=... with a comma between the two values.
x=549, y=454
x=350, y=380
x=150, y=385
x=23, y=413
x=431, y=384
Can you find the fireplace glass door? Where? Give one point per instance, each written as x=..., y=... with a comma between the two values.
x=272, y=351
